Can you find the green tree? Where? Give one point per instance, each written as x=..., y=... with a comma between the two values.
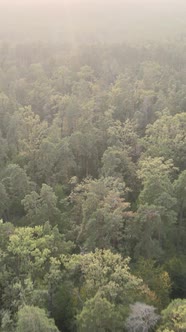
x=101, y=211
x=16, y=185
x=156, y=215
x=176, y=267
x=55, y=161
x=117, y=163
x=121, y=98
x=124, y=136
x=103, y=290
x=31, y=268
x=4, y=203
x=157, y=279
x=166, y=138
x=99, y=315
x=41, y=207
x=174, y=317
x=180, y=192
x=34, y=319
x=3, y=150
x=145, y=233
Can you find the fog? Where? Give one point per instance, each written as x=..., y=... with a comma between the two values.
x=91, y=21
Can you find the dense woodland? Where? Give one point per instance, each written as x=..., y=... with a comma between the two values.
x=93, y=187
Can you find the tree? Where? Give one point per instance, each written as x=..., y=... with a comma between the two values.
x=117, y=163
x=146, y=232
x=174, y=317
x=3, y=150
x=156, y=215
x=67, y=115
x=124, y=136
x=103, y=288
x=176, y=267
x=6, y=108
x=85, y=145
x=156, y=278
x=7, y=323
x=4, y=200
x=158, y=189
x=42, y=207
x=101, y=211
x=166, y=138
x=55, y=162
x=149, y=166
x=31, y=269
x=180, y=192
x=34, y=319
x=121, y=97
x=25, y=134
x=16, y=185
x=99, y=315
x=142, y=318
x=63, y=79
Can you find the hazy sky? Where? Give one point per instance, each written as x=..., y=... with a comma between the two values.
x=69, y=2
x=98, y=19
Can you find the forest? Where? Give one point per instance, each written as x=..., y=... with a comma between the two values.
x=93, y=185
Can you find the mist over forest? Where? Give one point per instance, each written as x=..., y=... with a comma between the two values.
x=92, y=166
x=92, y=21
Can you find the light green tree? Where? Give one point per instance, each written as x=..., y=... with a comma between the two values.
x=166, y=138
x=34, y=319
x=103, y=289
x=101, y=212
x=174, y=317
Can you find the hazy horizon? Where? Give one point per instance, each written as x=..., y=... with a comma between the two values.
x=82, y=21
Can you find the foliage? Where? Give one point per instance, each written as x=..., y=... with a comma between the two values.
x=174, y=316
x=103, y=289
x=33, y=319
x=92, y=170
x=157, y=279
x=102, y=211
